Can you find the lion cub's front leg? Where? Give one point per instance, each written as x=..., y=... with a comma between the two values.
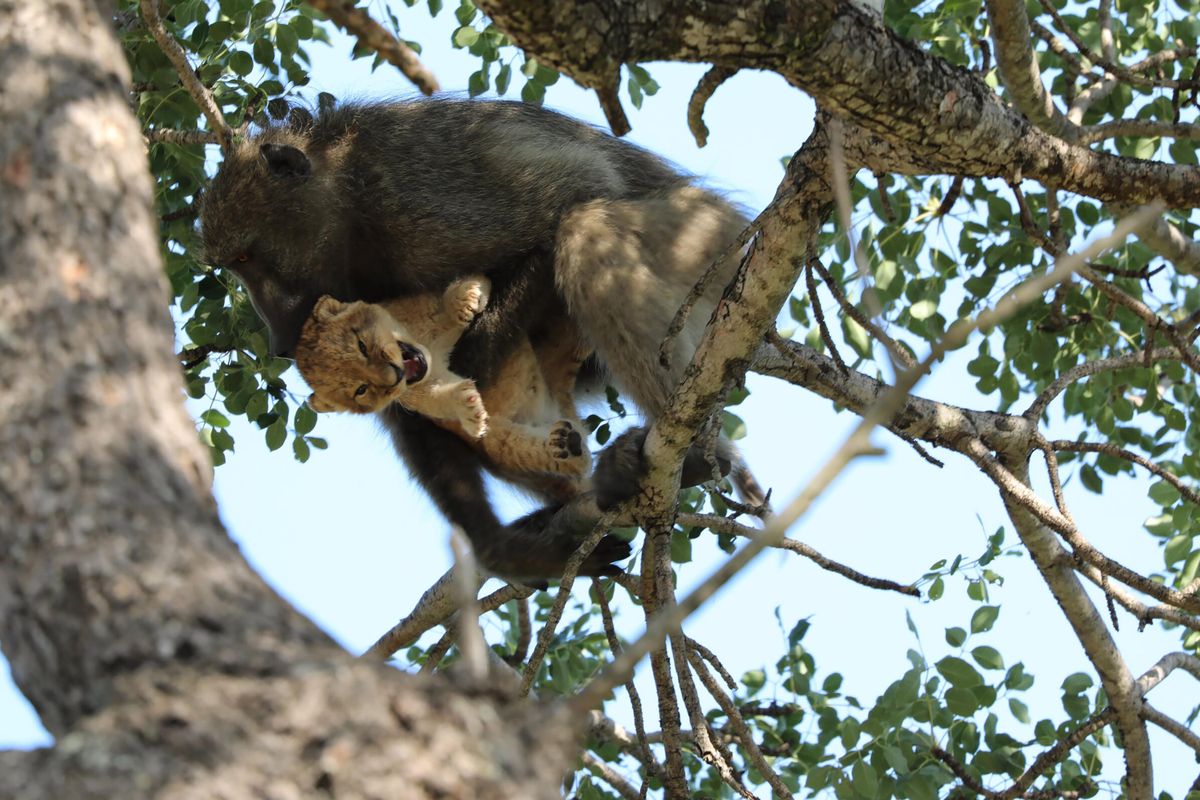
x=457, y=400
x=466, y=298
x=558, y=449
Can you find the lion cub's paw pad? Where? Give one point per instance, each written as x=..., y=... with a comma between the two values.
x=565, y=441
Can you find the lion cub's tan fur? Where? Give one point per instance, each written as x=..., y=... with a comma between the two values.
x=359, y=357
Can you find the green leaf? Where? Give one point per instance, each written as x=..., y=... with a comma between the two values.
x=955, y=636
x=937, y=588
x=465, y=36
x=983, y=618
x=276, y=434
x=864, y=779
x=923, y=309
x=264, y=52
x=477, y=84
x=306, y=419
x=241, y=63
x=503, y=78
x=215, y=418
x=856, y=336
x=1164, y=493
x=988, y=657
x=300, y=449
x=1076, y=683
x=286, y=40
x=959, y=672
x=754, y=679
x=961, y=701
x=1019, y=710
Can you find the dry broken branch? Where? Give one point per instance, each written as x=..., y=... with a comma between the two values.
x=373, y=36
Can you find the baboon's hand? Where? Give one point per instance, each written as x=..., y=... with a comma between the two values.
x=621, y=466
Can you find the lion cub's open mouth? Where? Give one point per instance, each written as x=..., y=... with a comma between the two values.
x=414, y=363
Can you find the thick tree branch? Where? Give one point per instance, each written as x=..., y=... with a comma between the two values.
x=852, y=65
x=1019, y=69
x=1056, y=567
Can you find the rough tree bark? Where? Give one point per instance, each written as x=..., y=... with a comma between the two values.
x=160, y=662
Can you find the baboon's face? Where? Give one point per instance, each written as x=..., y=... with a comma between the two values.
x=357, y=357
x=259, y=222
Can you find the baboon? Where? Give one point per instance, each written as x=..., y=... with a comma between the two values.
x=372, y=201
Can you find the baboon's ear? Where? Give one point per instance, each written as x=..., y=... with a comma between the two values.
x=284, y=161
x=318, y=405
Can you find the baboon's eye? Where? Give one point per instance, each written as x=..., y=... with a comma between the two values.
x=362, y=348
x=242, y=258
x=360, y=391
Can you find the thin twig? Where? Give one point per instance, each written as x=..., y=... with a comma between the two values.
x=952, y=195
x=373, y=36
x=700, y=728
x=740, y=729
x=898, y=352
x=1087, y=368
x=524, y=634
x=1176, y=729
x=711, y=658
x=1142, y=613
x=711, y=81
x=560, y=601
x=467, y=631
x=1123, y=73
x=635, y=700
x=1056, y=753
x=1061, y=445
x=1022, y=495
x=191, y=356
x=182, y=138
x=826, y=337
x=1165, y=666
x=610, y=104
x=610, y=776
x=659, y=598
x=435, y=654
x=198, y=91
x=725, y=525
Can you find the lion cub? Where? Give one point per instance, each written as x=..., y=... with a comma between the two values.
x=360, y=357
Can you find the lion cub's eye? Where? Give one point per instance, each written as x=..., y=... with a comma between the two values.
x=362, y=348
x=360, y=391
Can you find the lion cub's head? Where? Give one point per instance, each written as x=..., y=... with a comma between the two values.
x=355, y=359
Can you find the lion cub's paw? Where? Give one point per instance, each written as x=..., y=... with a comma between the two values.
x=471, y=413
x=568, y=445
x=467, y=298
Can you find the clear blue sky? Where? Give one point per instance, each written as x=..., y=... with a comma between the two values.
x=353, y=543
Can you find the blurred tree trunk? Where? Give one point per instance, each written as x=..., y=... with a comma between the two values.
x=160, y=662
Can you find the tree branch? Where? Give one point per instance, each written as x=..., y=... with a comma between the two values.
x=1014, y=56
x=198, y=91
x=726, y=525
x=851, y=65
x=373, y=36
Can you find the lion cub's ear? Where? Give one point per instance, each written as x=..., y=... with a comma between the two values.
x=319, y=405
x=327, y=308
